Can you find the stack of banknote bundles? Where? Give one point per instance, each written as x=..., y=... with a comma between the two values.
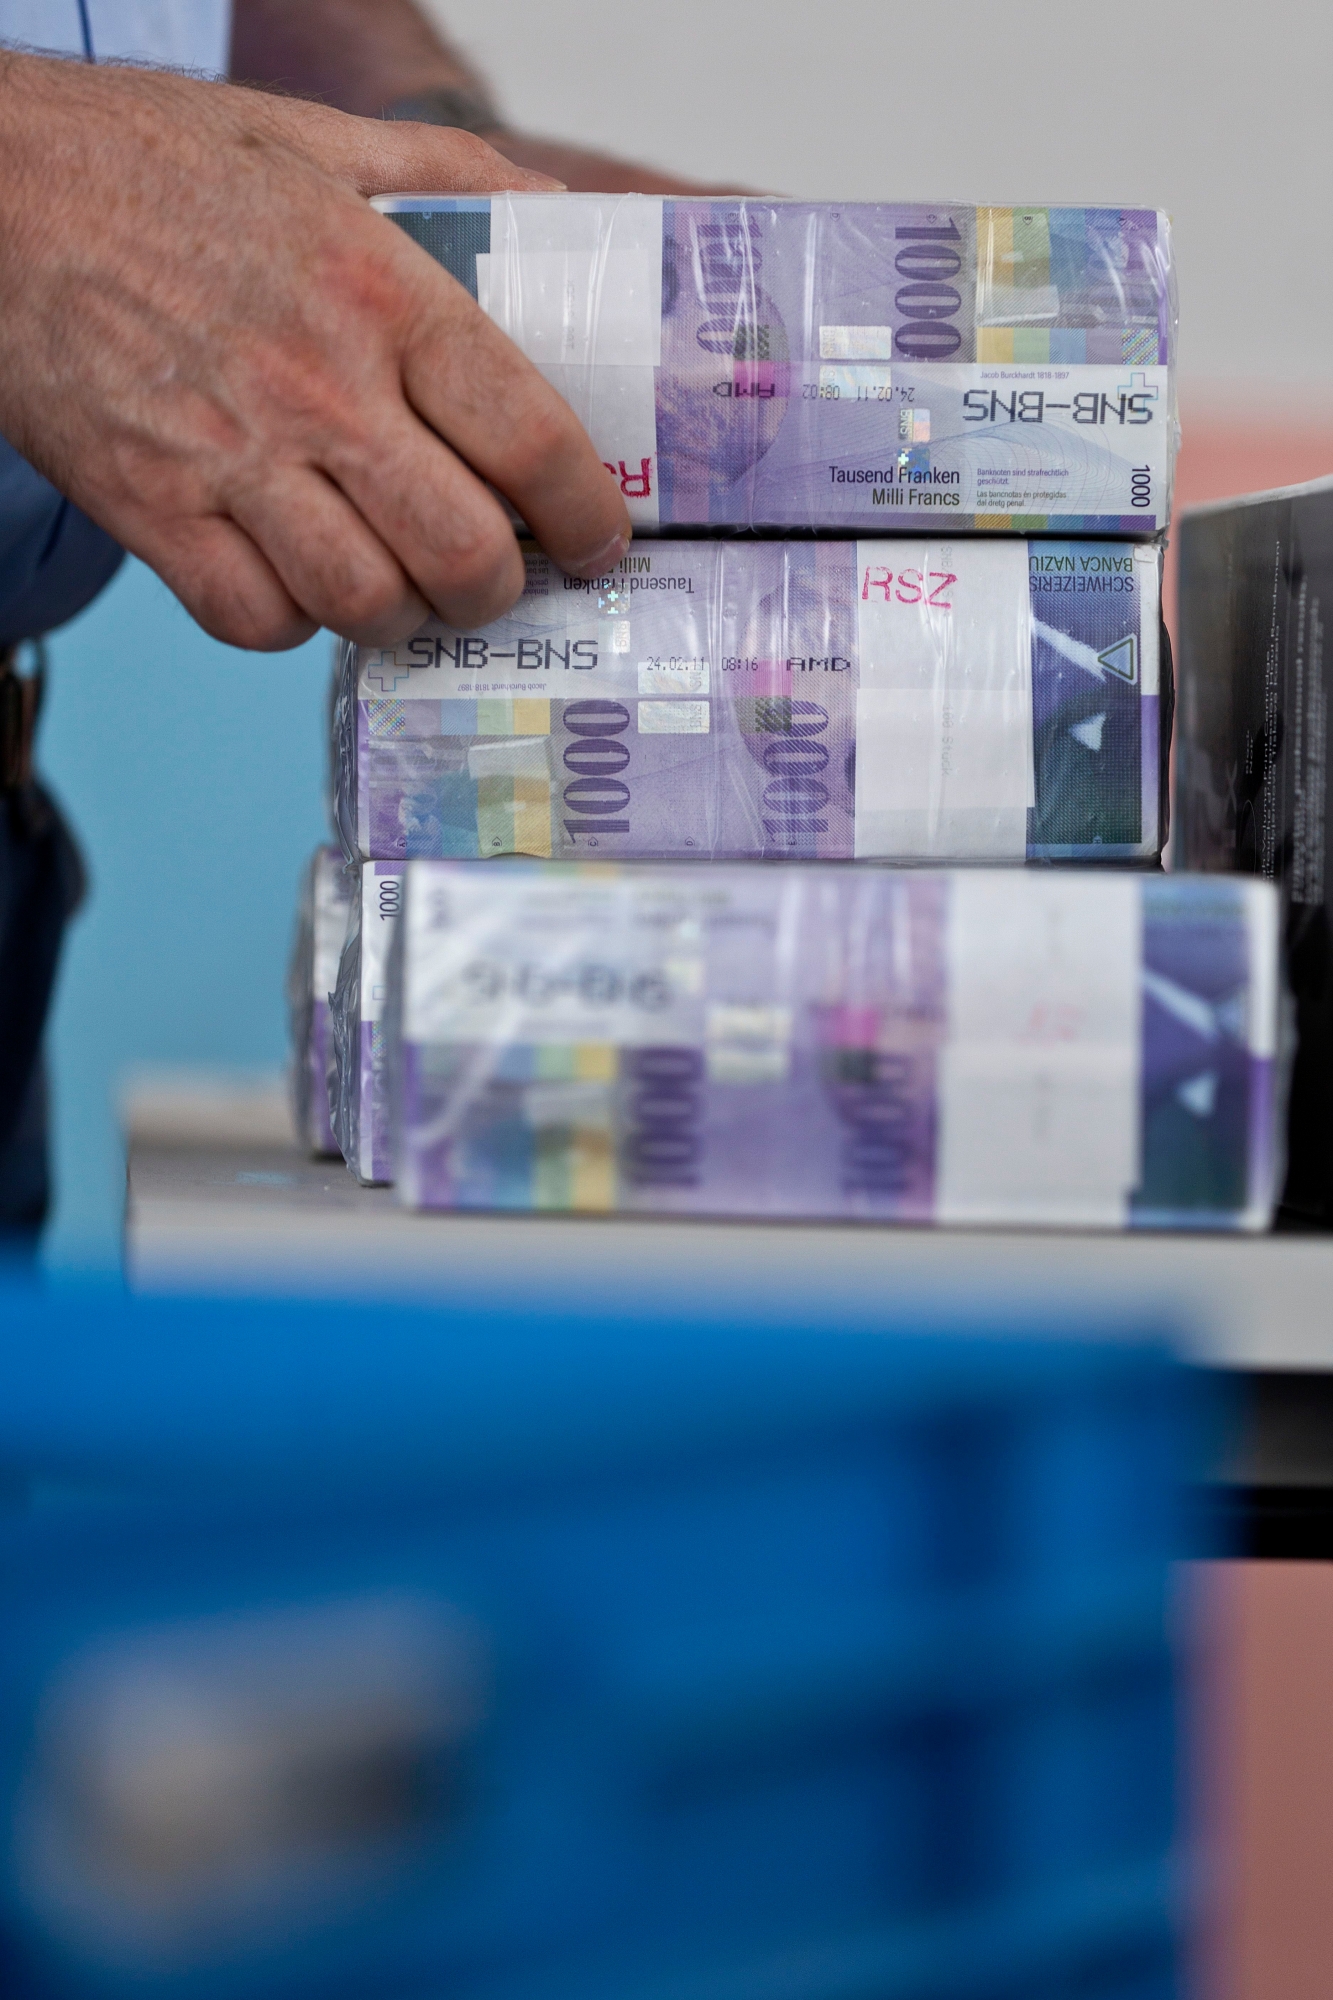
x=855, y=370
x=1256, y=583
x=962, y=420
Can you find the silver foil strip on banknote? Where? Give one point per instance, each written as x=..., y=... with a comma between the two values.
x=359, y=1099
x=321, y=927
x=843, y=365
x=982, y=1047
x=993, y=700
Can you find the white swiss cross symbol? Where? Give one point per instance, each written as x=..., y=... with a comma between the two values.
x=383, y=671
x=1137, y=385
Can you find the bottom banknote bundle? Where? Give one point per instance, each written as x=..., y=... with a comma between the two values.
x=1082, y=1050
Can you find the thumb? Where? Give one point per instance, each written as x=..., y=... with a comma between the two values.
x=389, y=156
x=403, y=158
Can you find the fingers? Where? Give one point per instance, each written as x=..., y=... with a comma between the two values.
x=329, y=562
x=372, y=508
x=227, y=585
x=404, y=158
x=449, y=533
x=473, y=387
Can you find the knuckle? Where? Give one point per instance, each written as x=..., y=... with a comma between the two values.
x=483, y=575
x=390, y=630
x=473, y=160
x=485, y=551
x=272, y=631
x=548, y=436
x=258, y=621
x=469, y=148
x=366, y=277
x=231, y=594
x=367, y=598
x=252, y=628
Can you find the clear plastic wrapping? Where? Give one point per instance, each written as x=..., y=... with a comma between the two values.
x=1256, y=591
x=848, y=365
x=986, y=700
x=988, y=1046
x=359, y=1084
x=321, y=926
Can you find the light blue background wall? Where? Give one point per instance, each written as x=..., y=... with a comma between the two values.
x=194, y=776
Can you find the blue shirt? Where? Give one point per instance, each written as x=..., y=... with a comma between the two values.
x=53, y=559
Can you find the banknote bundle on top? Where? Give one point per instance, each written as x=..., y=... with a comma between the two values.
x=855, y=367
x=898, y=477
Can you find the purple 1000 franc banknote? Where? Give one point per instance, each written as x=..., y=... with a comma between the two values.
x=987, y=1046
x=978, y=700
x=841, y=365
x=321, y=926
x=359, y=1100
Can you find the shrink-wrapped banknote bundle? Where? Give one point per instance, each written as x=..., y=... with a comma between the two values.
x=986, y=1046
x=358, y=1090
x=847, y=365
x=983, y=700
x=321, y=926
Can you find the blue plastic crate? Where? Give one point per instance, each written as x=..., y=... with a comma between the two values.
x=467, y=1655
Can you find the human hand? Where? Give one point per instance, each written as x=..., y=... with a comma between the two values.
x=223, y=355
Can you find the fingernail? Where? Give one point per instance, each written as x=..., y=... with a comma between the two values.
x=606, y=558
